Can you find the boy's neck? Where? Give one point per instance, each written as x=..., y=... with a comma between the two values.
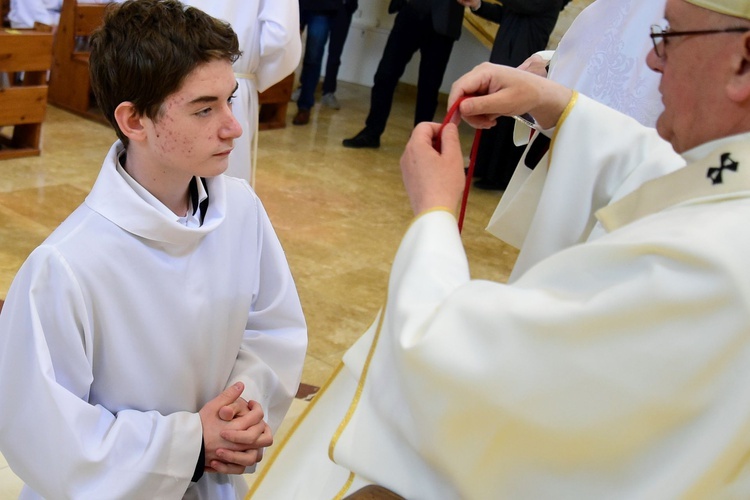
x=169, y=187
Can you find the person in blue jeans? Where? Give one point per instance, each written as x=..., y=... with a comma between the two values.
x=339, y=32
x=317, y=16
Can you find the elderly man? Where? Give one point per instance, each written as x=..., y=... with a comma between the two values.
x=616, y=367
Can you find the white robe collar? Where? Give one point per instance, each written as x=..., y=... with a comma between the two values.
x=114, y=199
x=716, y=170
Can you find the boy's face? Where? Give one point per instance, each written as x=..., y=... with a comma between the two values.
x=194, y=131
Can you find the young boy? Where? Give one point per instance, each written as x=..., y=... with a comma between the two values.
x=141, y=343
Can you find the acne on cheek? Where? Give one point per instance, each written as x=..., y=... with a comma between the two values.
x=172, y=144
x=187, y=145
x=168, y=146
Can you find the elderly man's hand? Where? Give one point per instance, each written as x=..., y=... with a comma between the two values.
x=433, y=179
x=536, y=65
x=504, y=91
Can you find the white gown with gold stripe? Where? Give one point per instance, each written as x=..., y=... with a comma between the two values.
x=617, y=367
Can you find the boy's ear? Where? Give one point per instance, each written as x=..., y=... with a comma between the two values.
x=739, y=86
x=129, y=121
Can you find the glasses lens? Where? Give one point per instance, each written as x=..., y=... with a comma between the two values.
x=657, y=37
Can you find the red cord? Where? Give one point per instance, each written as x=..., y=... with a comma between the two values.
x=472, y=157
x=437, y=144
x=469, y=177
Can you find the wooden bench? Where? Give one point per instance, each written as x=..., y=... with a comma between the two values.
x=70, y=86
x=374, y=492
x=23, y=105
x=272, y=104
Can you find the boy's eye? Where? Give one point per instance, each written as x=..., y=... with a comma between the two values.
x=203, y=112
x=231, y=99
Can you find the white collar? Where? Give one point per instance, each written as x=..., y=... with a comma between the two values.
x=693, y=183
x=193, y=216
x=114, y=198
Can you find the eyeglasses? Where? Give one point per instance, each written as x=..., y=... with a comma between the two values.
x=659, y=35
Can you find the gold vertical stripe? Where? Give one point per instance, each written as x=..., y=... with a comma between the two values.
x=342, y=425
x=563, y=117
x=262, y=474
x=358, y=392
x=356, y=398
x=345, y=488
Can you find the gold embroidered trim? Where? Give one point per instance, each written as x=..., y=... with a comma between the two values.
x=246, y=76
x=429, y=211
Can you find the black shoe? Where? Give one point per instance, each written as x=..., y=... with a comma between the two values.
x=489, y=185
x=364, y=139
x=302, y=117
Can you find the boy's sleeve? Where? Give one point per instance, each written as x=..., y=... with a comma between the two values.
x=58, y=443
x=273, y=349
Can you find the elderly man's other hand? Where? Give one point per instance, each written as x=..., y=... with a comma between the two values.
x=433, y=179
x=504, y=91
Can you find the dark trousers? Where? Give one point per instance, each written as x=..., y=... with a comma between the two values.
x=411, y=33
x=318, y=25
x=336, y=40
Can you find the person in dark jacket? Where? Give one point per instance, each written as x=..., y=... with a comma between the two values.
x=525, y=27
x=428, y=26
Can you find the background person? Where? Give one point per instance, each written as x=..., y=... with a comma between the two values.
x=268, y=31
x=428, y=26
x=317, y=17
x=336, y=41
x=524, y=28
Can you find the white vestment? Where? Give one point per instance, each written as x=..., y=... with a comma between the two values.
x=268, y=31
x=615, y=368
x=124, y=323
x=24, y=13
x=602, y=55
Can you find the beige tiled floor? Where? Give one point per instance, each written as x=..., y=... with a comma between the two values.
x=10, y=485
x=339, y=213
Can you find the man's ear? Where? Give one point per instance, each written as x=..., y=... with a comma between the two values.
x=130, y=121
x=738, y=88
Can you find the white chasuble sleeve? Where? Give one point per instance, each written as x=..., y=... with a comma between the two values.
x=609, y=370
x=272, y=353
x=596, y=156
x=81, y=450
x=280, y=43
x=269, y=37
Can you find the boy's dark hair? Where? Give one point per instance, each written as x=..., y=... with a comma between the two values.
x=146, y=48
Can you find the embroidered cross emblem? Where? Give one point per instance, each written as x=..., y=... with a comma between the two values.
x=714, y=173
